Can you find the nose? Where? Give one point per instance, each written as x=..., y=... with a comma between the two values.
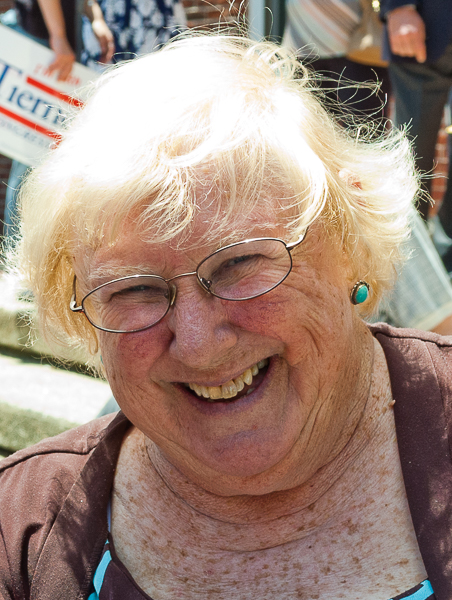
x=202, y=331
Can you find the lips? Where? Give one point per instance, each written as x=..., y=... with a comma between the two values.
x=230, y=389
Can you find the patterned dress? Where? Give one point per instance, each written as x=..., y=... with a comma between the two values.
x=138, y=27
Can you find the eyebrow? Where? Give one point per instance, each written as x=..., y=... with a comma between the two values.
x=110, y=271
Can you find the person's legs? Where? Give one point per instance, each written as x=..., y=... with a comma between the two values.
x=370, y=101
x=420, y=93
x=361, y=89
x=445, y=211
x=16, y=174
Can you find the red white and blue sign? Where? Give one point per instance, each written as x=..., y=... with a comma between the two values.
x=32, y=102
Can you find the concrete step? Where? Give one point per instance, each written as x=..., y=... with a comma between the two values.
x=39, y=397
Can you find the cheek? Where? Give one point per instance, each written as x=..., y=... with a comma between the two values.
x=321, y=292
x=312, y=318
x=129, y=353
x=267, y=315
x=305, y=302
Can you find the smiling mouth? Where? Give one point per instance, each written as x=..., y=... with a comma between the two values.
x=233, y=389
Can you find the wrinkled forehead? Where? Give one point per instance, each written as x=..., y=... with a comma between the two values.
x=215, y=198
x=206, y=214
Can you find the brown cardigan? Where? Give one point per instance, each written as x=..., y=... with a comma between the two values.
x=54, y=496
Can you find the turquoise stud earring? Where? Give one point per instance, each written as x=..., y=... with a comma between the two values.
x=360, y=292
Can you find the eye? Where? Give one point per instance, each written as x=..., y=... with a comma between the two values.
x=141, y=291
x=239, y=259
x=236, y=269
x=134, y=289
x=237, y=264
x=245, y=270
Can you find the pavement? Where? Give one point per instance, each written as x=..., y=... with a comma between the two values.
x=40, y=396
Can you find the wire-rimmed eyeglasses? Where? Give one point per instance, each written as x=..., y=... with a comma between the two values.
x=236, y=272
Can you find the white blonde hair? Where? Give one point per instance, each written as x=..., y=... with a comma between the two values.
x=239, y=118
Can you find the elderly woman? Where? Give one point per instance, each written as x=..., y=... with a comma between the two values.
x=212, y=238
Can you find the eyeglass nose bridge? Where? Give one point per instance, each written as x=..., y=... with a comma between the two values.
x=204, y=283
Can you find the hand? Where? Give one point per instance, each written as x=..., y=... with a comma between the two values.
x=406, y=31
x=105, y=39
x=64, y=57
x=100, y=30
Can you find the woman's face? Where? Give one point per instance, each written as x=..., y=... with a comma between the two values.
x=303, y=336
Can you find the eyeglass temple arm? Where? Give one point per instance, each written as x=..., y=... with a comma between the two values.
x=293, y=245
x=73, y=302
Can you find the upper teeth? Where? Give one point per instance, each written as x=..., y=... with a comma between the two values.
x=232, y=387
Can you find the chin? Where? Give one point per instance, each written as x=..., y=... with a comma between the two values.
x=244, y=463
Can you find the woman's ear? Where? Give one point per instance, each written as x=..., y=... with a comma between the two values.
x=349, y=178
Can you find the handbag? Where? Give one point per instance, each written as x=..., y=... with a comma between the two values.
x=366, y=40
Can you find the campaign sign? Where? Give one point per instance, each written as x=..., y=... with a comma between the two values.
x=32, y=102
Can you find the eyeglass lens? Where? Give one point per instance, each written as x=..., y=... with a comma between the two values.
x=239, y=272
x=246, y=270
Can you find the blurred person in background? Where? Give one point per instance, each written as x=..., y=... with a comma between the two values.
x=419, y=48
x=422, y=297
x=321, y=33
